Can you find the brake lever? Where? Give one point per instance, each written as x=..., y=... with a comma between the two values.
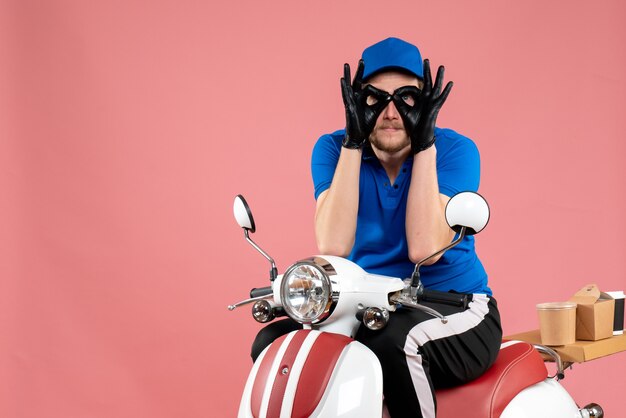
x=405, y=299
x=247, y=301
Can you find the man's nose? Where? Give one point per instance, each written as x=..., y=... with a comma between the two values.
x=390, y=112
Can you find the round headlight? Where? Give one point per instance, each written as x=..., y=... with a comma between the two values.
x=306, y=293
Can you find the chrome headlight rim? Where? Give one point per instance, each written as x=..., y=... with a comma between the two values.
x=325, y=270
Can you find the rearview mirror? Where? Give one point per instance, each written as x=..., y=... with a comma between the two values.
x=469, y=210
x=242, y=213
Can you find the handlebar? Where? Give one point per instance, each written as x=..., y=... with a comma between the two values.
x=260, y=291
x=446, y=298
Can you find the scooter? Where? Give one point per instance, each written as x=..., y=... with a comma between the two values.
x=321, y=371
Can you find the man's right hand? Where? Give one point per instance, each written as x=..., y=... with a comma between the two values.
x=361, y=112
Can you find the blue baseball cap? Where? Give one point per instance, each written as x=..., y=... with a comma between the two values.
x=392, y=54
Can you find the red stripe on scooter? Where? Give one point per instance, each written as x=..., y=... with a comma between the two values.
x=281, y=379
x=316, y=372
x=262, y=375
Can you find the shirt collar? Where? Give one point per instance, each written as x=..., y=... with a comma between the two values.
x=368, y=152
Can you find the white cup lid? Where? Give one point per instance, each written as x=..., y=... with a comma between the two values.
x=556, y=306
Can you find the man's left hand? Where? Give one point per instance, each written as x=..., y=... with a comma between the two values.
x=419, y=108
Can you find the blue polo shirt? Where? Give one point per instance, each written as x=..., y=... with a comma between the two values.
x=380, y=244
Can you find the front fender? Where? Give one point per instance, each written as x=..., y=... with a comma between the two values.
x=313, y=373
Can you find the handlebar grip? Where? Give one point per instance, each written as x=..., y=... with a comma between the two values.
x=446, y=298
x=260, y=291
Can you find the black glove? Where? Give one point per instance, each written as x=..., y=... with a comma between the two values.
x=362, y=107
x=419, y=109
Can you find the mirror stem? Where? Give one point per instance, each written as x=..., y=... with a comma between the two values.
x=417, y=288
x=274, y=270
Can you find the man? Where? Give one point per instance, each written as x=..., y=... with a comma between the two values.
x=381, y=187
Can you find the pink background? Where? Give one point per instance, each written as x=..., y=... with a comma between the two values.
x=127, y=127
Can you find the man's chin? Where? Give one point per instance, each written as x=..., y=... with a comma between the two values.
x=389, y=145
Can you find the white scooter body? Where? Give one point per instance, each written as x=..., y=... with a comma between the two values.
x=354, y=388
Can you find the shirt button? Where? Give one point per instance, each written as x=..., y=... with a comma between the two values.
x=386, y=184
x=395, y=186
x=404, y=170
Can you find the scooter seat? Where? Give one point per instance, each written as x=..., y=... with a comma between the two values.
x=517, y=367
